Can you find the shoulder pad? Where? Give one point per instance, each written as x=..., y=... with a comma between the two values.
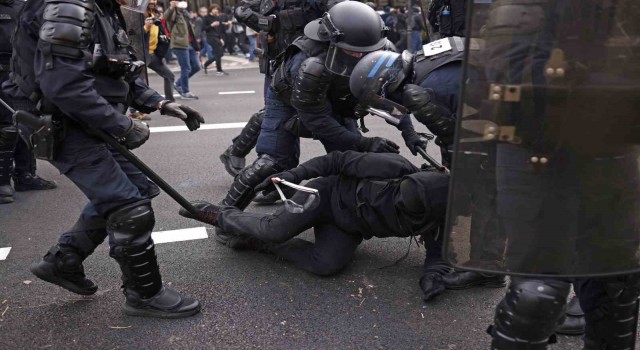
x=68, y=22
x=314, y=66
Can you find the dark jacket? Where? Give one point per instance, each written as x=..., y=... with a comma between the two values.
x=213, y=33
x=380, y=194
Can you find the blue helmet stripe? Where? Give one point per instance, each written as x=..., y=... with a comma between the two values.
x=392, y=59
x=375, y=68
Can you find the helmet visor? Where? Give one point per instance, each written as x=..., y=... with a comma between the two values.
x=342, y=61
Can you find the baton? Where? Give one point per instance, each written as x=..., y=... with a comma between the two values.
x=144, y=168
x=434, y=163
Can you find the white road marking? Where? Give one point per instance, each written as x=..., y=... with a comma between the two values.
x=202, y=127
x=4, y=252
x=186, y=234
x=236, y=92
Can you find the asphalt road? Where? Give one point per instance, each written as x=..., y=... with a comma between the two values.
x=250, y=299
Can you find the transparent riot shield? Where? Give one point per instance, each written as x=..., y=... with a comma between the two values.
x=134, y=17
x=545, y=177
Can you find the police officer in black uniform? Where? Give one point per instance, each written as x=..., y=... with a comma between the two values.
x=310, y=97
x=361, y=196
x=556, y=92
x=13, y=149
x=75, y=60
x=279, y=24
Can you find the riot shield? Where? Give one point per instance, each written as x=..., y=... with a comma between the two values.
x=134, y=18
x=545, y=177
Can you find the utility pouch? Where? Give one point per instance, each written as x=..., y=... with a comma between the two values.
x=46, y=135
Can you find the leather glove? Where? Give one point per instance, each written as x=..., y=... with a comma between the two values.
x=415, y=97
x=137, y=134
x=414, y=141
x=377, y=145
x=267, y=186
x=188, y=115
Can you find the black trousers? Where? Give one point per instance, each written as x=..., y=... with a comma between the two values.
x=218, y=52
x=159, y=67
x=333, y=248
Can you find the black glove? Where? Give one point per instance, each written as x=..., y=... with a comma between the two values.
x=267, y=186
x=377, y=145
x=190, y=116
x=414, y=141
x=415, y=97
x=137, y=134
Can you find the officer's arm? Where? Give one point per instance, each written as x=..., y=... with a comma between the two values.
x=248, y=13
x=356, y=164
x=309, y=98
x=421, y=102
x=61, y=67
x=145, y=99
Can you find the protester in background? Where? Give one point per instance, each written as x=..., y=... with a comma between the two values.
x=206, y=52
x=184, y=45
x=252, y=35
x=401, y=29
x=158, y=47
x=417, y=27
x=214, y=26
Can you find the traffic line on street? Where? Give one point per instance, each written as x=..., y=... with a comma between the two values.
x=202, y=127
x=187, y=234
x=4, y=252
x=236, y=92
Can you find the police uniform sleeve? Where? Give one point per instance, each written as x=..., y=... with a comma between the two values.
x=145, y=99
x=356, y=164
x=309, y=98
x=61, y=64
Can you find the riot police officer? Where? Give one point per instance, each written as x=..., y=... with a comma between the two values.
x=428, y=84
x=310, y=97
x=279, y=24
x=13, y=149
x=556, y=93
x=79, y=67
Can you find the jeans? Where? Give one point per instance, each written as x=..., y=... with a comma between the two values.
x=252, y=46
x=206, y=50
x=416, y=41
x=159, y=67
x=189, y=66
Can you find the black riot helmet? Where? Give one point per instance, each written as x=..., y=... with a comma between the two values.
x=379, y=74
x=352, y=29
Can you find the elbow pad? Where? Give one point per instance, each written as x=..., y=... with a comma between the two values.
x=440, y=120
x=67, y=26
x=247, y=16
x=311, y=85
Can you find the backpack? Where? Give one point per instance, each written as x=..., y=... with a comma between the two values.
x=447, y=17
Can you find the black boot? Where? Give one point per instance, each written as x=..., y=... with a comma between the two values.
x=63, y=267
x=31, y=182
x=132, y=247
x=233, y=157
x=574, y=322
x=207, y=212
x=458, y=280
x=432, y=285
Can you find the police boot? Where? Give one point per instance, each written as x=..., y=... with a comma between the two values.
x=242, y=192
x=458, y=280
x=31, y=182
x=529, y=314
x=612, y=325
x=574, y=322
x=62, y=266
x=129, y=231
x=207, y=212
x=8, y=138
x=233, y=157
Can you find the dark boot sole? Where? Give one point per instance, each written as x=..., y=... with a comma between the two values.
x=27, y=188
x=574, y=333
x=6, y=200
x=486, y=284
x=226, y=162
x=136, y=312
x=45, y=273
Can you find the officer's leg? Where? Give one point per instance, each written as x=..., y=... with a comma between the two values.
x=528, y=315
x=332, y=251
x=435, y=267
x=8, y=138
x=611, y=311
x=233, y=157
x=25, y=177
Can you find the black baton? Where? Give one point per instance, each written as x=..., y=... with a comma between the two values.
x=434, y=163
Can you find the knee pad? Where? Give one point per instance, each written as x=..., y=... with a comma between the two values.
x=130, y=226
x=241, y=192
x=530, y=312
x=613, y=323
